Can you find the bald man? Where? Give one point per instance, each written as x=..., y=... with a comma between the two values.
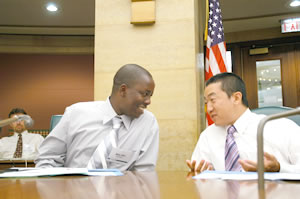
x=85, y=129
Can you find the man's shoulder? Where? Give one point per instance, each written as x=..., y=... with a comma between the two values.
x=6, y=138
x=256, y=116
x=146, y=119
x=276, y=122
x=212, y=129
x=34, y=135
x=89, y=104
x=147, y=115
x=282, y=123
x=85, y=106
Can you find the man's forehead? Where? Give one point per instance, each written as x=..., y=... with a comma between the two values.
x=214, y=87
x=211, y=94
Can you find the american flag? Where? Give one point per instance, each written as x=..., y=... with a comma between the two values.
x=215, y=61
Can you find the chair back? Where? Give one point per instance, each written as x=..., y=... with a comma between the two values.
x=269, y=110
x=54, y=121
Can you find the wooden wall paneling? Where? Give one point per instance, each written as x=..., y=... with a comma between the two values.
x=237, y=66
x=288, y=72
x=249, y=77
x=44, y=84
x=297, y=65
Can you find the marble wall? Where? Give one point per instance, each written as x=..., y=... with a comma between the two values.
x=169, y=49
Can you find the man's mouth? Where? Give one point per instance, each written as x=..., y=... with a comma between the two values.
x=142, y=107
x=213, y=116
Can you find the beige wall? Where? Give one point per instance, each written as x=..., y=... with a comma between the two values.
x=169, y=50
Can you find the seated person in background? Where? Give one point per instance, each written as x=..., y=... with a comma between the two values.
x=230, y=143
x=89, y=134
x=21, y=144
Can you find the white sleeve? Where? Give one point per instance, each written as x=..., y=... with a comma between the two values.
x=52, y=151
x=293, y=149
x=201, y=151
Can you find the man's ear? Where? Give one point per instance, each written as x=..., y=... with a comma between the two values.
x=237, y=97
x=123, y=90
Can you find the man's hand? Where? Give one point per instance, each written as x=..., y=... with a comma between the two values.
x=270, y=162
x=203, y=165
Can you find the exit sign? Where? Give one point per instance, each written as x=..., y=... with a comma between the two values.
x=290, y=25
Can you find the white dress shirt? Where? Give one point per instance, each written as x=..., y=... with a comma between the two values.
x=82, y=128
x=281, y=139
x=31, y=142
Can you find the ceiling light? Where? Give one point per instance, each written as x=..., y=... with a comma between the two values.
x=51, y=7
x=295, y=3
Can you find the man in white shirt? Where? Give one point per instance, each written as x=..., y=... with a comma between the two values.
x=227, y=105
x=78, y=136
x=21, y=144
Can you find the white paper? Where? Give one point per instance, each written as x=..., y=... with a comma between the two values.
x=35, y=172
x=229, y=175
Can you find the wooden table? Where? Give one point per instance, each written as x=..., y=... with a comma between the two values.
x=4, y=164
x=141, y=185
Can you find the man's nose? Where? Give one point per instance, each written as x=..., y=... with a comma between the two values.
x=147, y=100
x=209, y=107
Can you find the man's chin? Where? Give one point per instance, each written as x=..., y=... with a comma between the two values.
x=216, y=122
x=138, y=113
x=19, y=130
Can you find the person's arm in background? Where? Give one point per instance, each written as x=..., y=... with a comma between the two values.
x=52, y=151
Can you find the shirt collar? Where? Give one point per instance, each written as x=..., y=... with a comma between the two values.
x=109, y=113
x=24, y=132
x=241, y=123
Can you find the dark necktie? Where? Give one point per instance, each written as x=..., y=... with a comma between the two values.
x=19, y=148
x=231, y=152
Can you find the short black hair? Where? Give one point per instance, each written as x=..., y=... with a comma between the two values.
x=17, y=110
x=129, y=74
x=231, y=83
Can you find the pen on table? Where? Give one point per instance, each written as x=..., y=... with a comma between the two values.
x=9, y=170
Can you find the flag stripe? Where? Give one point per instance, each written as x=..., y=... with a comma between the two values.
x=215, y=46
x=219, y=58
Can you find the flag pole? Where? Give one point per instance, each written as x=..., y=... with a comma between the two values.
x=206, y=20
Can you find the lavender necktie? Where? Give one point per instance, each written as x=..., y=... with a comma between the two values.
x=231, y=152
x=98, y=160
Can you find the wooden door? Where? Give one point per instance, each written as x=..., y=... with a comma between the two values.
x=288, y=56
